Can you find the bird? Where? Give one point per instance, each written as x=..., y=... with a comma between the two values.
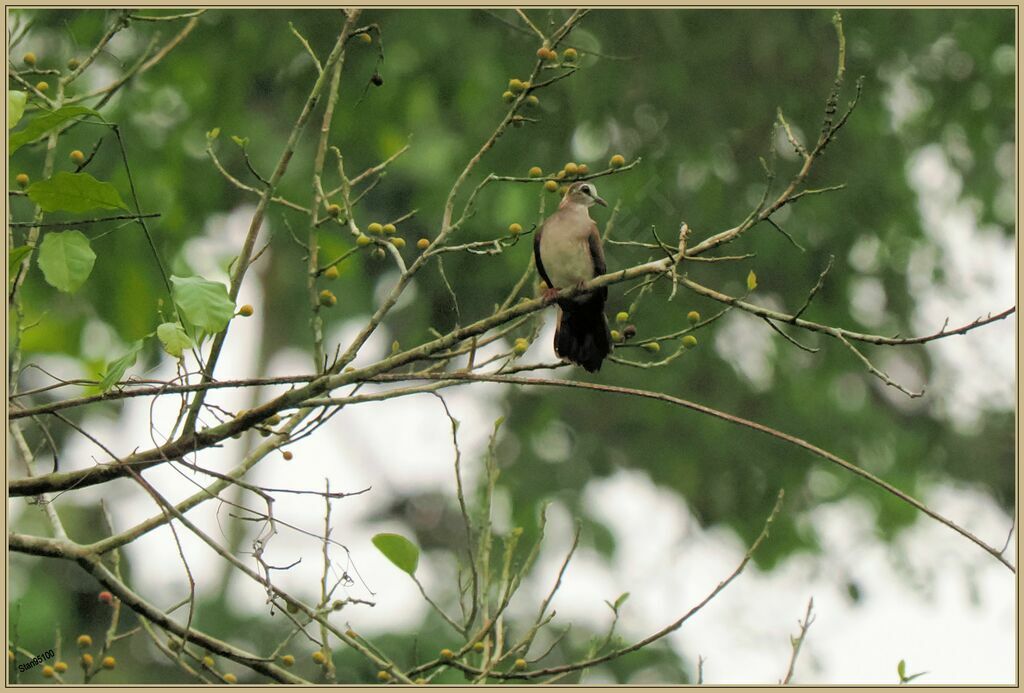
x=567, y=250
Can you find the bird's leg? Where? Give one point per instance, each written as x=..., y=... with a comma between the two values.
x=550, y=293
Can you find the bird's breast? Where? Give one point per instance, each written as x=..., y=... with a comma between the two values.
x=566, y=258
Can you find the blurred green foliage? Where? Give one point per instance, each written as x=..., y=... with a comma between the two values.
x=692, y=92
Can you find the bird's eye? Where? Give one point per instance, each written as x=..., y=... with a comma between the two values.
x=585, y=189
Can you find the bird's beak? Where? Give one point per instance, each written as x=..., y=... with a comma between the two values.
x=600, y=201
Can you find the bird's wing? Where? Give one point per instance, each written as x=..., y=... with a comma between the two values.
x=536, y=256
x=596, y=250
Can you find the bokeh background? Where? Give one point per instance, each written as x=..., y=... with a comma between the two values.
x=667, y=499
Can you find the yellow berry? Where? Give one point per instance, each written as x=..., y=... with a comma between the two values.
x=60, y=667
x=617, y=161
x=319, y=657
x=383, y=676
x=516, y=86
x=571, y=168
x=246, y=311
x=520, y=664
x=621, y=317
x=390, y=229
x=77, y=156
x=542, y=52
x=351, y=634
x=560, y=175
x=47, y=671
x=109, y=662
x=73, y=64
x=327, y=298
x=447, y=654
x=230, y=678
x=532, y=100
x=689, y=341
x=378, y=254
x=365, y=37
x=42, y=86
x=22, y=179
x=478, y=647
x=375, y=228
x=287, y=455
x=652, y=347
x=29, y=59
x=423, y=243
x=616, y=336
x=536, y=172
x=515, y=229
x=332, y=272
x=288, y=660
x=172, y=644
x=208, y=662
x=563, y=189
x=398, y=242
x=363, y=240
x=552, y=54
x=693, y=316
x=334, y=210
x=520, y=346
x=84, y=641
x=583, y=169
x=86, y=661
x=550, y=185
x=508, y=96
x=569, y=55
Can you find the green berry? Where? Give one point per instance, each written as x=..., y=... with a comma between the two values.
x=375, y=228
x=689, y=341
x=616, y=336
x=208, y=662
x=22, y=180
x=550, y=185
x=652, y=347
x=693, y=316
x=520, y=664
x=390, y=229
x=319, y=657
x=621, y=317
x=516, y=86
x=383, y=676
x=29, y=59
x=73, y=64
x=508, y=96
x=332, y=272
x=520, y=346
x=362, y=240
x=327, y=298
x=334, y=210
x=398, y=242
x=42, y=86
x=478, y=647
x=288, y=660
x=569, y=55
x=617, y=161
x=532, y=100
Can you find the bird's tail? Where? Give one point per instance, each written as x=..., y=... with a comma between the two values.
x=582, y=335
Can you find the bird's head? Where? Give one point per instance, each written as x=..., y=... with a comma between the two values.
x=583, y=193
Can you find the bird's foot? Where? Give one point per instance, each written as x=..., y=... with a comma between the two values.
x=550, y=293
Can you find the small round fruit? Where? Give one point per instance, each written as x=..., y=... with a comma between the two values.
x=288, y=455
x=362, y=240
x=73, y=64
x=447, y=654
x=583, y=169
x=383, y=676
x=351, y=634
x=230, y=678
x=22, y=180
x=532, y=100
x=652, y=347
x=375, y=228
x=536, y=172
x=365, y=37
x=376, y=79
x=552, y=54
x=617, y=160
x=629, y=331
x=569, y=55
x=327, y=298
x=47, y=671
x=29, y=59
x=689, y=341
x=516, y=86
x=398, y=242
x=109, y=662
x=173, y=645
x=571, y=168
x=42, y=86
x=60, y=667
x=319, y=657
x=105, y=597
x=550, y=185
x=84, y=641
x=542, y=53
x=520, y=346
x=621, y=317
x=379, y=254
x=77, y=156
x=423, y=243
x=520, y=664
x=693, y=316
x=288, y=660
x=560, y=175
x=616, y=336
x=390, y=229
x=563, y=189
x=246, y=311
x=208, y=662
x=332, y=272
x=274, y=420
x=478, y=647
x=86, y=661
x=334, y=210
x=515, y=229
x=508, y=96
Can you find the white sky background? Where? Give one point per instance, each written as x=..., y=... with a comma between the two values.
x=932, y=598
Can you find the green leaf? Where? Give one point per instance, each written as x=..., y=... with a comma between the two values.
x=43, y=123
x=66, y=259
x=205, y=304
x=14, y=258
x=174, y=338
x=116, y=369
x=901, y=669
x=399, y=550
x=751, y=281
x=621, y=600
x=74, y=192
x=15, y=107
